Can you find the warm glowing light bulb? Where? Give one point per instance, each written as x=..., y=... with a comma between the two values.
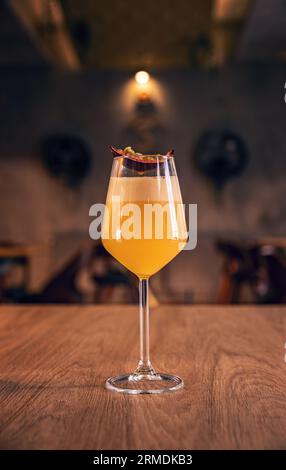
x=142, y=77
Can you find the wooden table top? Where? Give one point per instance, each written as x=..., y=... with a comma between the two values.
x=54, y=361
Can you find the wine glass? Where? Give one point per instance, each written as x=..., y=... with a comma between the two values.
x=144, y=228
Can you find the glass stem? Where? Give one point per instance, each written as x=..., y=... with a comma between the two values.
x=144, y=366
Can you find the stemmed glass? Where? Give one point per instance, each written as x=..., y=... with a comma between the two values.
x=144, y=228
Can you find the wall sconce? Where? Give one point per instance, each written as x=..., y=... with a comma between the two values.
x=142, y=99
x=142, y=79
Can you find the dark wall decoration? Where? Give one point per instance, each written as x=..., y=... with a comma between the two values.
x=67, y=158
x=220, y=155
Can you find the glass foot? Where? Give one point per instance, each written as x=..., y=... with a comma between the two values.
x=137, y=383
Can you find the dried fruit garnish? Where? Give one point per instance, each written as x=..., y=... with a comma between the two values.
x=128, y=152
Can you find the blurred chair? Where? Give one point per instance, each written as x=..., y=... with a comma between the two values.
x=101, y=271
x=14, y=271
x=258, y=266
x=271, y=285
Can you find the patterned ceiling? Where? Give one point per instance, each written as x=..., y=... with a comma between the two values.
x=138, y=33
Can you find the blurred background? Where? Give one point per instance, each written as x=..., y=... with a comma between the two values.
x=213, y=89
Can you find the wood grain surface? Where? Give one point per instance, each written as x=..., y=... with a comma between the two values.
x=54, y=362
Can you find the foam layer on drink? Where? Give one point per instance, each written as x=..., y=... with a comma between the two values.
x=145, y=188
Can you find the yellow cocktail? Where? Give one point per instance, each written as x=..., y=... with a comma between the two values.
x=144, y=228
